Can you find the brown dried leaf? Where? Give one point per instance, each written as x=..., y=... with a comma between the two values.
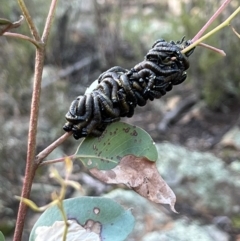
x=142, y=176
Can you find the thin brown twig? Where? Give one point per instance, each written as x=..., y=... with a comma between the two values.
x=31, y=165
x=29, y=20
x=7, y=28
x=235, y=31
x=215, y=15
x=61, y=159
x=220, y=51
x=51, y=147
x=213, y=31
x=49, y=21
x=24, y=37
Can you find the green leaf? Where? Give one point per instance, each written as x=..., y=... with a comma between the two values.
x=6, y=25
x=2, y=236
x=116, y=223
x=118, y=140
x=4, y=21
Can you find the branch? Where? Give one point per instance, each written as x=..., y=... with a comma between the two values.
x=215, y=15
x=24, y=37
x=220, y=51
x=61, y=159
x=31, y=165
x=51, y=147
x=29, y=20
x=49, y=21
x=234, y=30
x=219, y=27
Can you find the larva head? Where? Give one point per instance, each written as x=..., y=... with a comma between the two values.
x=168, y=56
x=184, y=44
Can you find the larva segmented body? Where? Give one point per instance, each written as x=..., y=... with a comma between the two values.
x=120, y=90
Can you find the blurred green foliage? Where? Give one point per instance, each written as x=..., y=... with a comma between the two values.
x=128, y=29
x=215, y=77
x=236, y=221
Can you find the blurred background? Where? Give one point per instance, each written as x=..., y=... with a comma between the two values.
x=196, y=126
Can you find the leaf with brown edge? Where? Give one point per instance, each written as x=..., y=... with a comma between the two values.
x=142, y=176
x=118, y=140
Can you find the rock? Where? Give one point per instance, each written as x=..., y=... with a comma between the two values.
x=154, y=223
x=200, y=180
x=182, y=231
x=148, y=217
x=231, y=138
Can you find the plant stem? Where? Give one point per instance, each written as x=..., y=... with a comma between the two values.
x=64, y=216
x=61, y=159
x=234, y=30
x=212, y=48
x=219, y=27
x=24, y=37
x=31, y=165
x=215, y=15
x=62, y=211
x=51, y=147
x=49, y=20
x=29, y=20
